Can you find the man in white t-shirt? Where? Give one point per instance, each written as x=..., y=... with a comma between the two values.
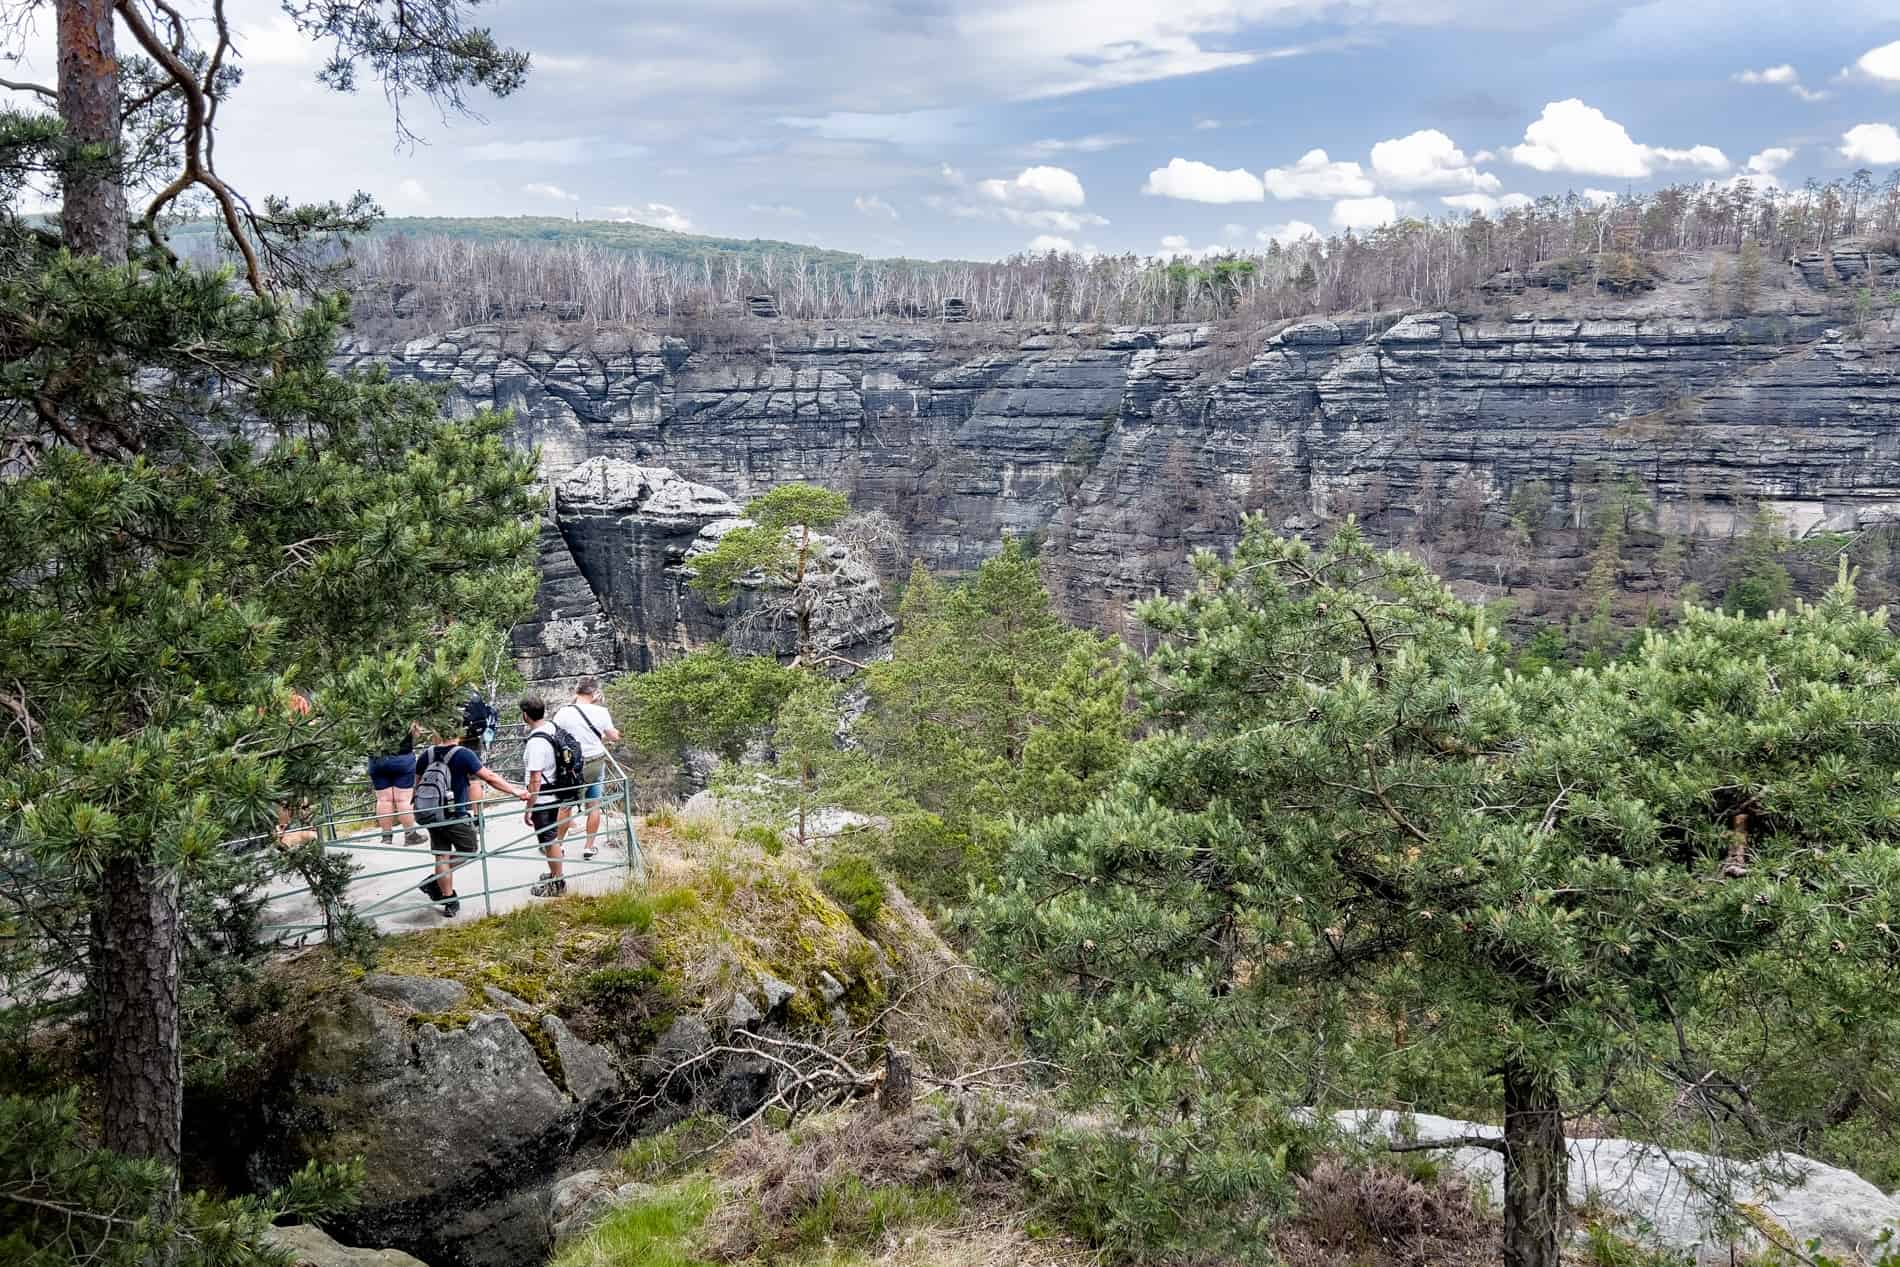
x=590, y=723
x=546, y=815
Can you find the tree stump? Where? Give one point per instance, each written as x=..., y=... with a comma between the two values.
x=897, y=1092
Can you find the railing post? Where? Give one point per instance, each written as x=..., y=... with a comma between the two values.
x=481, y=848
x=634, y=861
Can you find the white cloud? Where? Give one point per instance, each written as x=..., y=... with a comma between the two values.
x=872, y=205
x=657, y=214
x=1197, y=182
x=1036, y=186
x=412, y=192
x=1316, y=176
x=1573, y=137
x=1364, y=213
x=782, y=210
x=1207, y=125
x=1782, y=76
x=541, y=190
x=1427, y=160
x=1600, y=197
x=1042, y=218
x=1043, y=243
x=910, y=127
x=1489, y=204
x=1289, y=233
x=1881, y=63
x=1772, y=159
x=1176, y=246
x=567, y=150
x=1047, y=198
x=1233, y=230
x=1871, y=142
x=1094, y=143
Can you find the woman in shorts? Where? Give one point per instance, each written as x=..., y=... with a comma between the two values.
x=393, y=777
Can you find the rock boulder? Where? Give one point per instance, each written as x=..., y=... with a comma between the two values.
x=1676, y=1199
x=452, y=1125
x=310, y=1246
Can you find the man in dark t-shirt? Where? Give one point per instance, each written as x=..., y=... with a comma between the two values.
x=459, y=833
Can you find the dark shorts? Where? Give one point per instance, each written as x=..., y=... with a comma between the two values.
x=545, y=818
x=456, y=836
x=396, y=770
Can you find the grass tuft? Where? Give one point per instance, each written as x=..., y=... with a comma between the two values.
x=655, y=1233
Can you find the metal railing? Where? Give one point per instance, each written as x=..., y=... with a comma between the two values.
x=385, y=895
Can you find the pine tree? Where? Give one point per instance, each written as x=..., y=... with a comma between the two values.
x=1348, y=813
x=198, y=514
x=990, y=704
x=780, y=547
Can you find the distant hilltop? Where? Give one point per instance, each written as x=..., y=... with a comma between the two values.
x=618, y=235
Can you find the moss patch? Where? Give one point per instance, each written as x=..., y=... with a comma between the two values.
x=753, y=917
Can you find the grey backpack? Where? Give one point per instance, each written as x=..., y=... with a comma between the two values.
x=435, y=789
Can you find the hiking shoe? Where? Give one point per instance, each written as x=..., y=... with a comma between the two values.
x=431, y=889
x=385, y=841
x=415, y=836
x=450, y=909
x=548, y=886
x=587, y=855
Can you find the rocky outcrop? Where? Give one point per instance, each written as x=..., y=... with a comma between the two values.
x=634, y=532
x=1120, y=450
x=1849, y=262
x=1681, y=1201
x=455, y=1119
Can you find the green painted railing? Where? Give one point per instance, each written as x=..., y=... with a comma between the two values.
x=505, y=840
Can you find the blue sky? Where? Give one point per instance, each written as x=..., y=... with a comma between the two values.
x=975, y=129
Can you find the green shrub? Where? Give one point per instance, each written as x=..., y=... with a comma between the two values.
x=617, y=989
x=636, y=1004
x=765, y=838
x=854, y=884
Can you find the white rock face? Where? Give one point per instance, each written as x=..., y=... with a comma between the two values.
x=1677, y=1199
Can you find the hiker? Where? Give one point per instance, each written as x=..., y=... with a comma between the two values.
x=392, y=777
x=444, y=772
x=296, y=826
x=589, y=721
x=552, y=760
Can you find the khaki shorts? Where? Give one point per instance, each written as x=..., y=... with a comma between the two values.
x=591, y=771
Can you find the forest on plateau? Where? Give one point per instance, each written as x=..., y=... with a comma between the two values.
x=438, y=277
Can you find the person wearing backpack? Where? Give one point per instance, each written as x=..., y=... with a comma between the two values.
x=553, y=764
x=444, y=773
x=588, y=721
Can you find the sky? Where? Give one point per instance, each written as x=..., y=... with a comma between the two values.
x=978, y=128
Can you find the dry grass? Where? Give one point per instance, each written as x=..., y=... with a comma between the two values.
x=1377, y=1216
x=896, y=1187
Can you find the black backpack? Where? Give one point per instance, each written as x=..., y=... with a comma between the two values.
x=434, y=802
x=569, y=777
x=479, y=718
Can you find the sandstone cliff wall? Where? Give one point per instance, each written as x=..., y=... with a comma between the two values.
x=1120, y=450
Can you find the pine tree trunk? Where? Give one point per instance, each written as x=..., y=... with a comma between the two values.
x=136, y=934
x=1536, y=1164
x=92, y=214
